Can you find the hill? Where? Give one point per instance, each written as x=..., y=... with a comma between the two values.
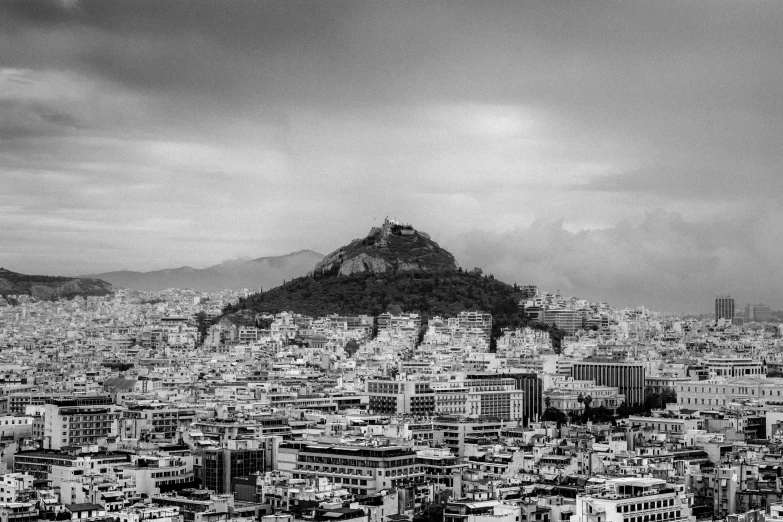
x=262, y=272
x=50, y=287
x=430, y=294
x=393, y=265
x=391, y=248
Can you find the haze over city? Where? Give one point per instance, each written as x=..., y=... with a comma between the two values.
x=626, y=153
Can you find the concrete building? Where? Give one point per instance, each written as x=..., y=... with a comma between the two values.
x=13, y=484
x=361, y=469
x=159, y=514
x=627, y=377
x=734, y=366
x=530, y=384
x=456, y=431
x=239, y=458
x=76, y=425
x=400, y=397
x=633, y=500
x=724, y=307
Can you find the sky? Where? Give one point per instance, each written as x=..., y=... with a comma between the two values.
x=627, y=152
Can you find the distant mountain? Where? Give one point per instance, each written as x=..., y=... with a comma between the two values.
x=263, y=272
x=50, y=287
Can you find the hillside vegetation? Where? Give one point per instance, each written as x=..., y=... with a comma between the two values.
x=429, y=294
x=50, y=287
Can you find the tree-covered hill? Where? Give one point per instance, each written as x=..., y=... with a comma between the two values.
x=429, y=294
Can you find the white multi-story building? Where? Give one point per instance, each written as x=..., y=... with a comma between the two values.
x=633, y=500
x=157, y=513
x=11, y=484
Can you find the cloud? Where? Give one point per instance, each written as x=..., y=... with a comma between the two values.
x=150, y=134
x=661, y=260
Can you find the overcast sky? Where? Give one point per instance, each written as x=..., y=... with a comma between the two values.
x=628, y=152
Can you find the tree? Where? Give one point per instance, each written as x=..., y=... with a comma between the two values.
x=432, y=512
x=547, y=402
x=587, y=401
x=554, y=415
x=351, y=347
x=668, y=396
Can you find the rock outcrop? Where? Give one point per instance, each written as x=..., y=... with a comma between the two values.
x=390, y=248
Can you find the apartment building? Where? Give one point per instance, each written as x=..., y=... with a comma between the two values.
x=488, y=397
x=154, y=422
x=159, y=472
x=40, y=463
x=475, y=320
x=633, y=500
x=361, y=469
x=13, y=484
x=398, y=397
x=158, y=514
x=456, y=431
x=77, y=425
x=223, y=430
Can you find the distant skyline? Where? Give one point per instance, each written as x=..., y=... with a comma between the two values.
x=626, y=153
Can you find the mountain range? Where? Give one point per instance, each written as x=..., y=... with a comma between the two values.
x=50, y=287
x=262, y=272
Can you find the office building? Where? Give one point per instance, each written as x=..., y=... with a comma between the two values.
x=757, y=312
x=240, y=458
x=529, y=383
x=724, y=307
x=361, y=469
x=627, y=377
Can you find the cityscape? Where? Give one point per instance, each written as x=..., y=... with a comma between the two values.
x=345, y=261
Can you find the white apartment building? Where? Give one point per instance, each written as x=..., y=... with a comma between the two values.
x=157, y=513
x=633, y=500
x=11, y=484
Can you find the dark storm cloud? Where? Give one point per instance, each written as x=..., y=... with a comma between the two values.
x=187, y=117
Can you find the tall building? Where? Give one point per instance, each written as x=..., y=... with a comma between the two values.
x=568, y=320
x=240, y=458
x=757, y=312
x=627, y=377
x=530, y=383
x=724, y=307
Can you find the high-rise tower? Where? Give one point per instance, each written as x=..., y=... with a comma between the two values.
x=724, y=307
